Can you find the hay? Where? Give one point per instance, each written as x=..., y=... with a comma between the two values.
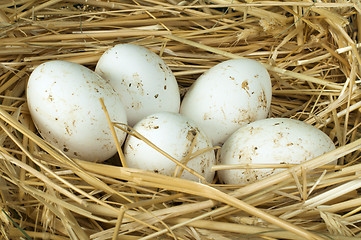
x=310, y=49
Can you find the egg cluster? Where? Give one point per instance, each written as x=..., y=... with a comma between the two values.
x=227, y=106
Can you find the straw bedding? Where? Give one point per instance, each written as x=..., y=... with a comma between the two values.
x=310, y=49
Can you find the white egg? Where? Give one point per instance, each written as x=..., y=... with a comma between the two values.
x=174, y=134
x=145, y=84
x=270, y=141
x=227, y=96
x=63, y=100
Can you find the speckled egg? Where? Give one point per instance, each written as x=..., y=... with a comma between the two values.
x=145, y=84
x=63, y=100
x=270, y=141
x=227, y=96
x=174, y=134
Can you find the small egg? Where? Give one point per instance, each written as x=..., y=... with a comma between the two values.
x=63, y=100
x=271, y=141
x=227, y=96
x=145, y=84
x=174, y=134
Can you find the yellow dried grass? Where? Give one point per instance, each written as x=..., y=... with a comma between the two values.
x=310, y=49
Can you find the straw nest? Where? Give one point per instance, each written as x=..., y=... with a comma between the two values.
x=310, y=49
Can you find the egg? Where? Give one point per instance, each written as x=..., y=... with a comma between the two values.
x=271, y=141
x=227, y=96
x=174, y=134
x=145, y=84
x=63, y=100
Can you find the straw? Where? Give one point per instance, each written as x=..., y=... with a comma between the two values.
x=310, y=49
x=114, y=134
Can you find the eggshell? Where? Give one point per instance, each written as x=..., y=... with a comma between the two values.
x=227, y=96
x=63, y=100
x=145, y=84
x=271, y=141
x=174, y=134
